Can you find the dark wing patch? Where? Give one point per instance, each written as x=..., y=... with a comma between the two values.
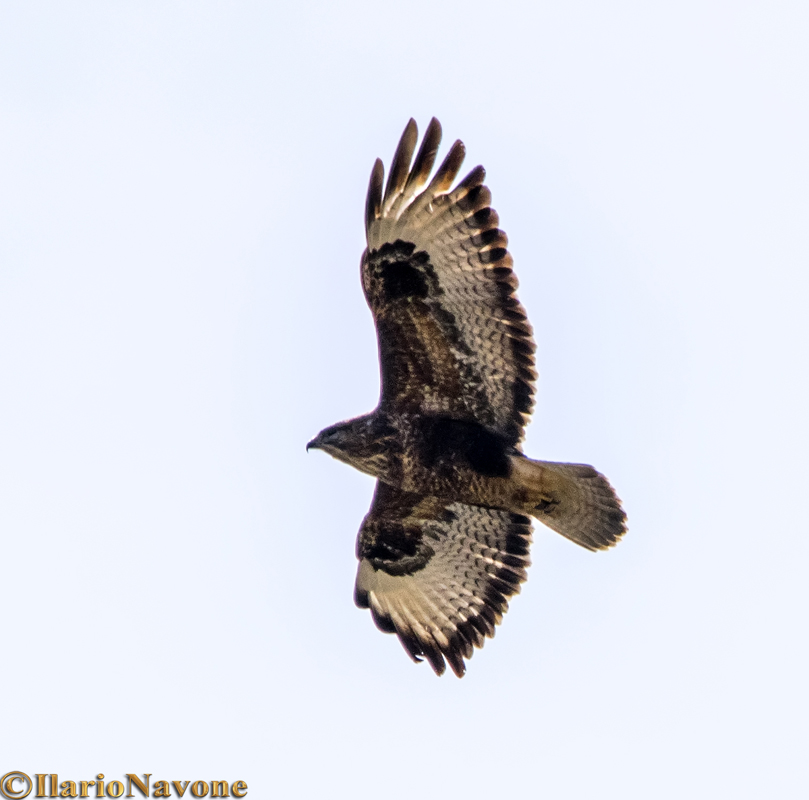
x=402, y=273
x=453, y=338
x=439, y=574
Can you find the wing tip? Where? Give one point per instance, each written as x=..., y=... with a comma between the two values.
x=400, y=166
x=373, y=202
x=389, y=199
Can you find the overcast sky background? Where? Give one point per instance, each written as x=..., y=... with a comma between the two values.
x=181, y=197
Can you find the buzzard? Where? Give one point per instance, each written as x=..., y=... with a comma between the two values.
x=447, y=538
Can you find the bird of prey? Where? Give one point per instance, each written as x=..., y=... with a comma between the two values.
x=447, y=538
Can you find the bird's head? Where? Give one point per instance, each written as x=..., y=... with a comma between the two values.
x=359, y=442
x=334, y=440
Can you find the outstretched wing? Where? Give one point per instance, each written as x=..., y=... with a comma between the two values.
x=453, y=338
x=438, y=574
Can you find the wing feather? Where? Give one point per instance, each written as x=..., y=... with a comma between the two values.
x=400, y=166
x=373, y=204
x=438, y=573
x=423, y=165
x=453, y=337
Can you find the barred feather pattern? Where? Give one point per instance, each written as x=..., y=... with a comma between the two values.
x=438, y=574
x=450, y=300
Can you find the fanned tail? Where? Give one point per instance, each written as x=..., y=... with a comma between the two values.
x=572, y=499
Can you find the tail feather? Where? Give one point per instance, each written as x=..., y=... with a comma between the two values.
x=572, y=499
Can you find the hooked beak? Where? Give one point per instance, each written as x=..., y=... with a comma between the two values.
x=314, y=444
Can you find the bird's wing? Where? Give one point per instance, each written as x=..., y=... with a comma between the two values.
x=438, y=574
x=453, y=338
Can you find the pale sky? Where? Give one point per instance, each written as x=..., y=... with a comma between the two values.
x=181, y=199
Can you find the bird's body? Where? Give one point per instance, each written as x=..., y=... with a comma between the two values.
x=453, y=459
x=447, y=537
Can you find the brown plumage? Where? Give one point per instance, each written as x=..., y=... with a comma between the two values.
x=446, y=540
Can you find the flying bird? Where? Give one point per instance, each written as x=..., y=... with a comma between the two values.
x=446, y=541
